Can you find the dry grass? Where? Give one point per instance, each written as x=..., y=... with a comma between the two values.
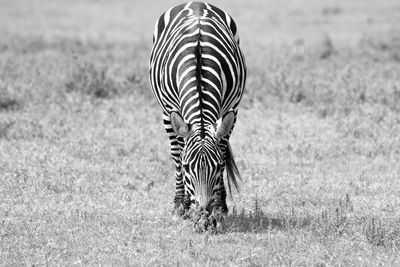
x=85, y=173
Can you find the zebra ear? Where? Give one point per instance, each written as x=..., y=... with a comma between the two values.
x=180, y=127
x=225, y=126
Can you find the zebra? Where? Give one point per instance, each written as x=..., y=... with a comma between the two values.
x=198, y=74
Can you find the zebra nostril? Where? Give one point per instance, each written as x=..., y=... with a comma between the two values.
x=204, y=207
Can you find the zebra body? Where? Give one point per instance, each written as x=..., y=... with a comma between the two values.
x=198, y=73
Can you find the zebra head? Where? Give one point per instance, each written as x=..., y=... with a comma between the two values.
x=203, y=160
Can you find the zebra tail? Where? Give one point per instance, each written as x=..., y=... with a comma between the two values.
x=231, y=170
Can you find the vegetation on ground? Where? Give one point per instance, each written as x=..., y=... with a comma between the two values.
x=85, y=172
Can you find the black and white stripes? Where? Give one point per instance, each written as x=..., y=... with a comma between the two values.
x=198, y=73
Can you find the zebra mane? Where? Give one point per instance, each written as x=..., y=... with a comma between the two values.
x=199, y=83
x=231, y=170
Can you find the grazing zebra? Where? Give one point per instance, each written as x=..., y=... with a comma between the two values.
x=198, y=74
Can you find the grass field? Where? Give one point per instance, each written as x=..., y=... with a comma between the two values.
x=85, y=172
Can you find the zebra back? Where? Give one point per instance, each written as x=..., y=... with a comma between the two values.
x=196, y=65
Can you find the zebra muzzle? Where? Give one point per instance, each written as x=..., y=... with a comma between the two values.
x=203, y=200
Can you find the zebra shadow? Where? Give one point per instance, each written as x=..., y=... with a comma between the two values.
x=260, y=222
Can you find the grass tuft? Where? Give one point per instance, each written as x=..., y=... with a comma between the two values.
x=332, y=11
x=8, y=100
x=335, y=223
x=90, y=80
x=9, y=104
x=327, y=48
x=254, y=221
x=5, y=127
x=385, y=234
x=383, y=46
x=375, y=232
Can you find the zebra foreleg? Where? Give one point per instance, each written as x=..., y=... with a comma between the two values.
x=219, y=203
x=230, y=165
x=177, y=144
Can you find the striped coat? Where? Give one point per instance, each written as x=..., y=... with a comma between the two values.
x=198, y=74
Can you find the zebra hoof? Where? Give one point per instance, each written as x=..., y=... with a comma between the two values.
x=219, y=217
x=220, y=227
x=179, y=210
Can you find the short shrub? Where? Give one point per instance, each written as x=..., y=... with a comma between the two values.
x=8, y=100
x=90, y=80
